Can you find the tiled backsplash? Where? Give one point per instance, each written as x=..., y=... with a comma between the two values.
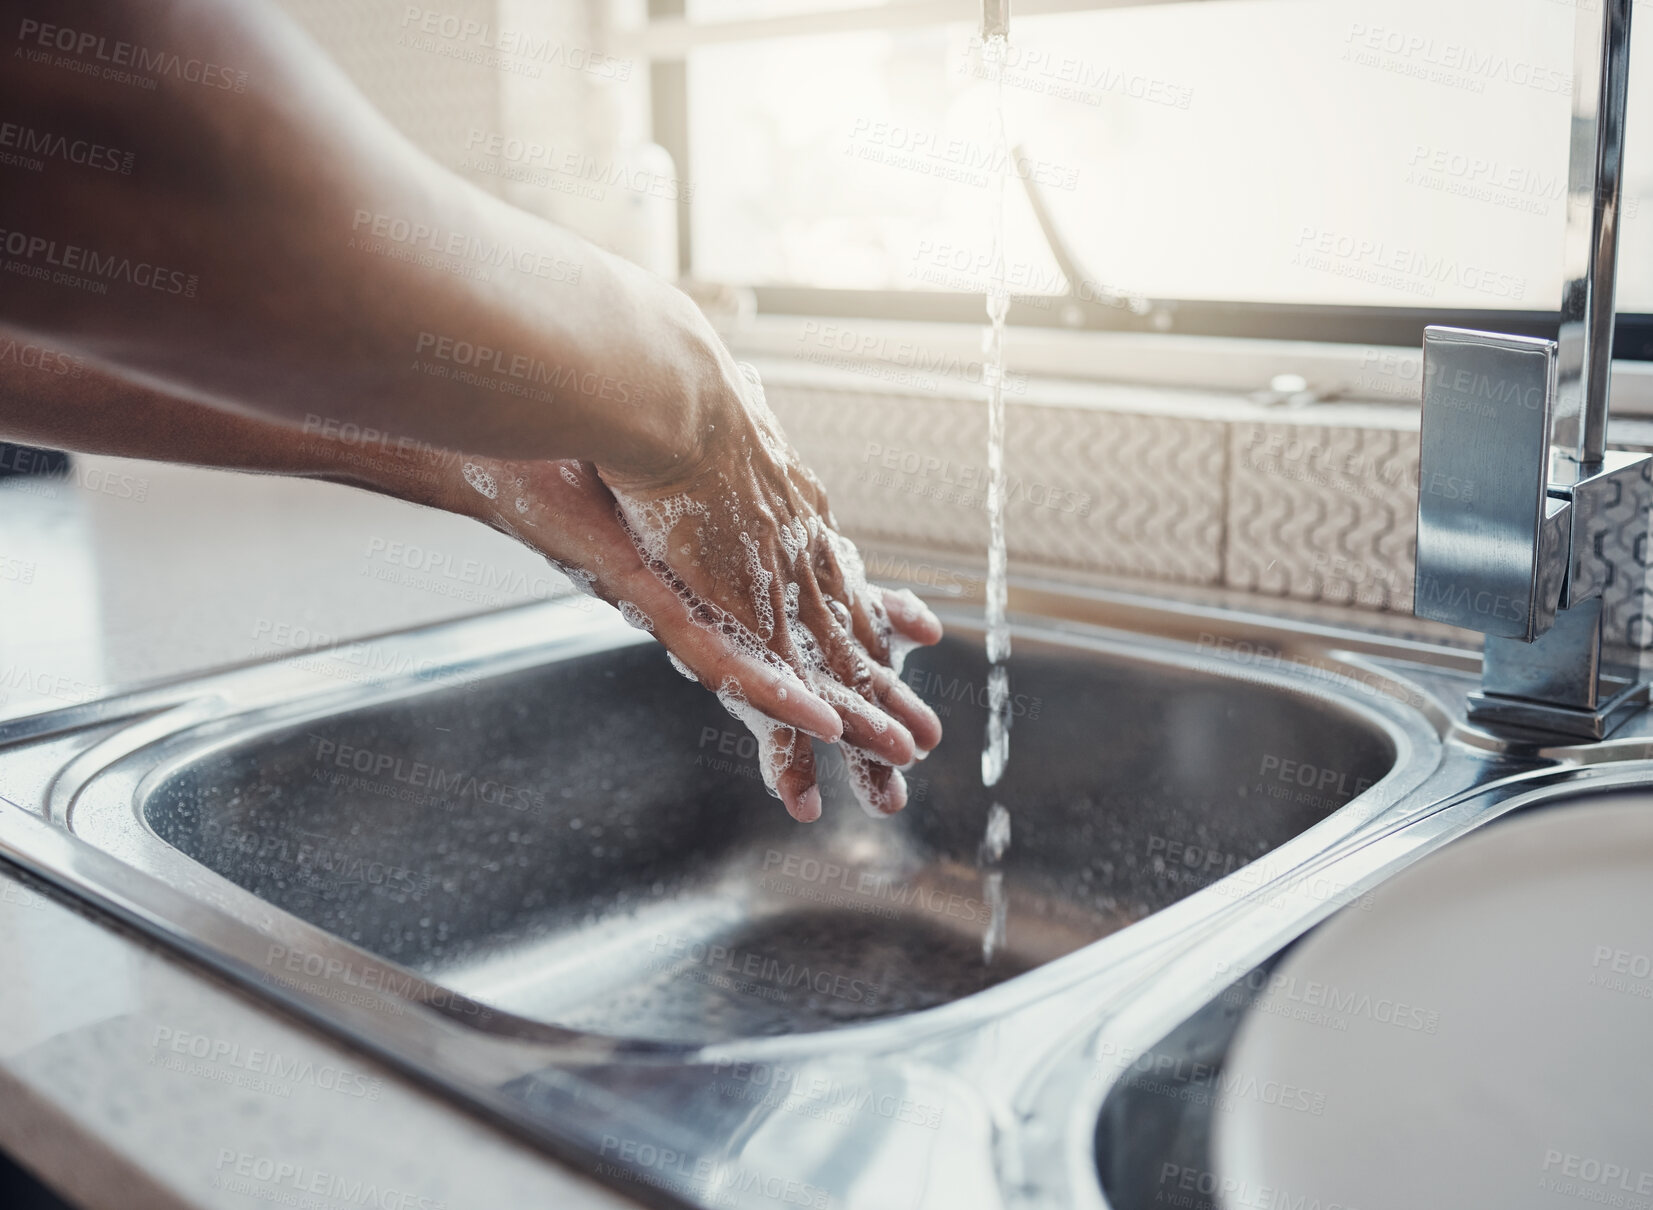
x=1315, y=504
x=1324, y=511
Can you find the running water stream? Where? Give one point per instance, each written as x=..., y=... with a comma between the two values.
x=996, y=747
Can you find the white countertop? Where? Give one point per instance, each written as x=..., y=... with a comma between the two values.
x=135, y=571
x=129, y=572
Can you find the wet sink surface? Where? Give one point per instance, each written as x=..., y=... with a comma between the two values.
x=587, y=843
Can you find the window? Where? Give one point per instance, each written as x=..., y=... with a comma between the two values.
x=1252, y=156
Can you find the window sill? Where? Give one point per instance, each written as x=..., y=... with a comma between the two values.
x=1196, y=372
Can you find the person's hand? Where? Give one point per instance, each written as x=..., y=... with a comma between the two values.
x=781, y=625
x=744, y=536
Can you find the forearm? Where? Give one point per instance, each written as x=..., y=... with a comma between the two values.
x=300, y=257
x=52, y=398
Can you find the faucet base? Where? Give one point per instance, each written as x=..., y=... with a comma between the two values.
x=1499, y=712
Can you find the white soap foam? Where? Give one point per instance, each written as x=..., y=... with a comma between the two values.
x=860, y=768
x=757, y=406
x=850, y=567
x=651, y=524
x=651, y=521
x=900, y=647
x=584, y=581
x=762, y=578
x=774, y=753
x=636, y=616
x=794, y=539
x=480, y=479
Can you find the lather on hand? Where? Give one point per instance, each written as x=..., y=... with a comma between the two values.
x=722, y=539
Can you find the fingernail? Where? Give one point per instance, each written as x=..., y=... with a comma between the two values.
x=907, y=605
x=809, y=805
x=895, y=793
x=915, y=703
x=831, y=735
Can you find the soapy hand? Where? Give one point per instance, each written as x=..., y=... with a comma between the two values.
x=745, y=539
x=722, y=541
x=737, y=568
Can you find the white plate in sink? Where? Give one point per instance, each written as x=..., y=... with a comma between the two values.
x=1480, y=1036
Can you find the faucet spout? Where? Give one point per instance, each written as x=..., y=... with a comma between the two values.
x=1517, y=489
x=1595, y=182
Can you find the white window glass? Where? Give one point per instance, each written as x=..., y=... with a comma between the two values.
x=1404, y=153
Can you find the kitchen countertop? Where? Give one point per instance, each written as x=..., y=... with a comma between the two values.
x=130, y=1078
x=128, y=572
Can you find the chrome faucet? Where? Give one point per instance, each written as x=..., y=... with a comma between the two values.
x=1516, y=486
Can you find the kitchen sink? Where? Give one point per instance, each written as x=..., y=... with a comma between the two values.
x=587, y=842
x=524, y=860
x=1154, y=1131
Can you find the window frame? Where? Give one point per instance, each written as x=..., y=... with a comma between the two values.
x=666, y=37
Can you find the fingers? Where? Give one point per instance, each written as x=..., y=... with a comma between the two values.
x=907, y=708
x=786, y=699
x=774, y=691
x=868, y=728
x=795, y=783
x=753, y=624
x=869, y=624
x=888, y=690
x=876, y=613
x=912, y=617
x=879, y=789
x=764, y=603
x=851, y=687
x=881, y=715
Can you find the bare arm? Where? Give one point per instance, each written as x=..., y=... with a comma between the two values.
x=282, y=250
x=279, y=252
x=563, y=510
x=50, y=397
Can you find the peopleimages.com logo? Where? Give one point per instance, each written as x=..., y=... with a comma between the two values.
x=524, y=51
x=39, y=256
x=264, y=1068
x=453, y=784
x=285, y=1183
x=485, y=360
x=76, y=45
x=36, y=146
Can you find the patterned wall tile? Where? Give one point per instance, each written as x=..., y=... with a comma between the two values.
x=900, y=467
x=1627, y=597
x=1089, y=488
x=1323, y=512
x=1320, y=509
x=1131, y=493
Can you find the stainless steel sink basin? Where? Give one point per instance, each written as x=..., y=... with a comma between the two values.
x=586, y=842
x=522, y=859
x=1154, y=1129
